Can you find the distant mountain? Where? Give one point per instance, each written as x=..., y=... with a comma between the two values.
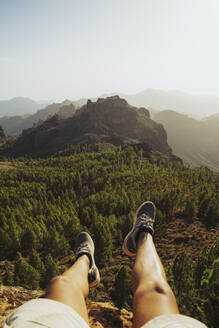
x=14, y=125
x=18, y=106
x=196, y=142
x=110, y=120
x=215, y=116
x=182, y=102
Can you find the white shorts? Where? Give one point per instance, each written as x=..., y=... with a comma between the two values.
x=42, y=312
x=174, y=321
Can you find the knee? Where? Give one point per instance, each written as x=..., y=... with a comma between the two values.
x=162, y=287
x=59, y=282
x=156, y=286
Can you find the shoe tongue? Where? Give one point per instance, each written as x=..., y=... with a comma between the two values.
x=144, y=217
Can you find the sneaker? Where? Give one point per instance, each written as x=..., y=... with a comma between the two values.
x=143, y=221
x=84, y=245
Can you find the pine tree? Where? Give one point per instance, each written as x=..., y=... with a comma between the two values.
x=24, y=274
x=103, y=240
x=8, y=279
x=72, y=229
x=183, y=273
x=122, y=295
x=6, y=251
x=36, y=262
x=14, y=234
x=51, y=270
x=28, y=240
x=56, y=243
x=191, y=209
x=212, y=295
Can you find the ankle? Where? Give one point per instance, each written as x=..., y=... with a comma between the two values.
x=85, y=259
x=142, y=237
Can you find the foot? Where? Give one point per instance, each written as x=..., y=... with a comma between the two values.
x=84, y=245
x=143, y=221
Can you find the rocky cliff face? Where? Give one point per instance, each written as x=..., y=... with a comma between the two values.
x=101, y=315
x=110, y=120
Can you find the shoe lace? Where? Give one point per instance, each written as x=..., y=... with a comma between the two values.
x=144, y=221
x=82, y=246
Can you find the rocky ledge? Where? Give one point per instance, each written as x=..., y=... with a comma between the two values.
x=101, y=315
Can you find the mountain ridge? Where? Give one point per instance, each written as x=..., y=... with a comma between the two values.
x=182, y=102
x=195, y=141
x=18, y=106
x=14, y=125
x=110, y=120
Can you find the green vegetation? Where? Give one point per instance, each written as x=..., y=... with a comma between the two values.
x=46, y=202
x=196, y=285
x=122, y=295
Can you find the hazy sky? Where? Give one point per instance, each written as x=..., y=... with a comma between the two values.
x=57, y=49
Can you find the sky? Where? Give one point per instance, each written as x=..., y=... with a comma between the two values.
x=58, y=49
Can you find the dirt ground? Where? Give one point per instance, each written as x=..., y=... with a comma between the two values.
x=7, y=166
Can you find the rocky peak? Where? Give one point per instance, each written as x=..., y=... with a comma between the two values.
x=111, y=120
x=112, y=103
x=113, y=116
x=67, y=110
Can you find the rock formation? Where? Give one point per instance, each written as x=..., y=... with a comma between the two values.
x=110, y=120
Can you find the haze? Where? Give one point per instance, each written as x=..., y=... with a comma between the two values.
x=53, y=49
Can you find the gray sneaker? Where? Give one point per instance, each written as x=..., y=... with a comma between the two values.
x=143, y=221
x=84, y=245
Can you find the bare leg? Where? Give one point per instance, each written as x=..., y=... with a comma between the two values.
x=152, y=294
x=71, y=288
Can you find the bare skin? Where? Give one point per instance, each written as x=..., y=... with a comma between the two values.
x=152, y=294
x=71, y=288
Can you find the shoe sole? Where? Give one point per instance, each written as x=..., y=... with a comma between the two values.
x=97, y=281
x=124, y=246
